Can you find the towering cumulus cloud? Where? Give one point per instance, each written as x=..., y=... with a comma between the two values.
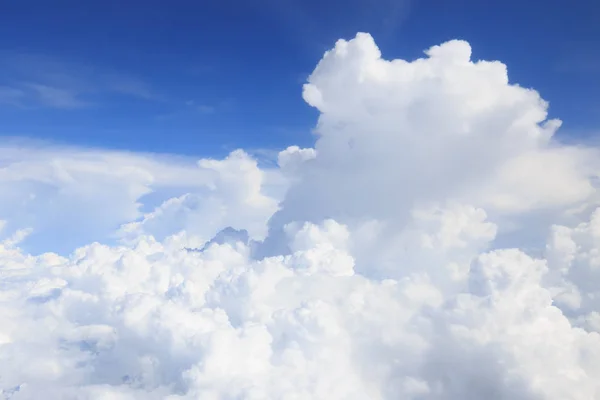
x=437, y=243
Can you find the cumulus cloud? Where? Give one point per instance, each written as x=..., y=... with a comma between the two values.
x=373, y=270
x=234, y=198
x=70, y=196
x=392, y=133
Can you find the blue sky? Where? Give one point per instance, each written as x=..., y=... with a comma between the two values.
x=205, y=77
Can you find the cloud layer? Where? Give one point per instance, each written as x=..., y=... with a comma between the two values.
x=436, y=243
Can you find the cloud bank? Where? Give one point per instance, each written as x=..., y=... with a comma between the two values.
x=436, y=243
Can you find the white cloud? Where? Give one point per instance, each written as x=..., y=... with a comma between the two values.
x=11, y=96
x=443, y=126
x=234, y=198
x=385, y=278
x=36, y=80
x=292, y=158
x=156, y=319
x=56, y=97
x=395, y=134
x=70, y=197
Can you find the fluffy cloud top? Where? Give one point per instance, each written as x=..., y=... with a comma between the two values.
x=368, y=267
x=396, y=133
x=70, y=197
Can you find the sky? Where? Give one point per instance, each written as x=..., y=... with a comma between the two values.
x=287, y=200
x=213, y=76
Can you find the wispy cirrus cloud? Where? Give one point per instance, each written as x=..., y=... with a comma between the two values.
x=11, y=96
x=31, y=80
x=202, y=107
x=55, y=97
x=195, y=109
x=130, y=86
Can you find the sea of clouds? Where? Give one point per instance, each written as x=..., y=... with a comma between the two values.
x=438, y=242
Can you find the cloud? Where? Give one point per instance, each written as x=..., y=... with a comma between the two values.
x=380, y=276
x=11, y=96
x=392, y=134
x=41, y=81
x=56, y=97
x=129, y=86
x=206, y=109
x=234, y=198
x=156, y=319
x=71, y=196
